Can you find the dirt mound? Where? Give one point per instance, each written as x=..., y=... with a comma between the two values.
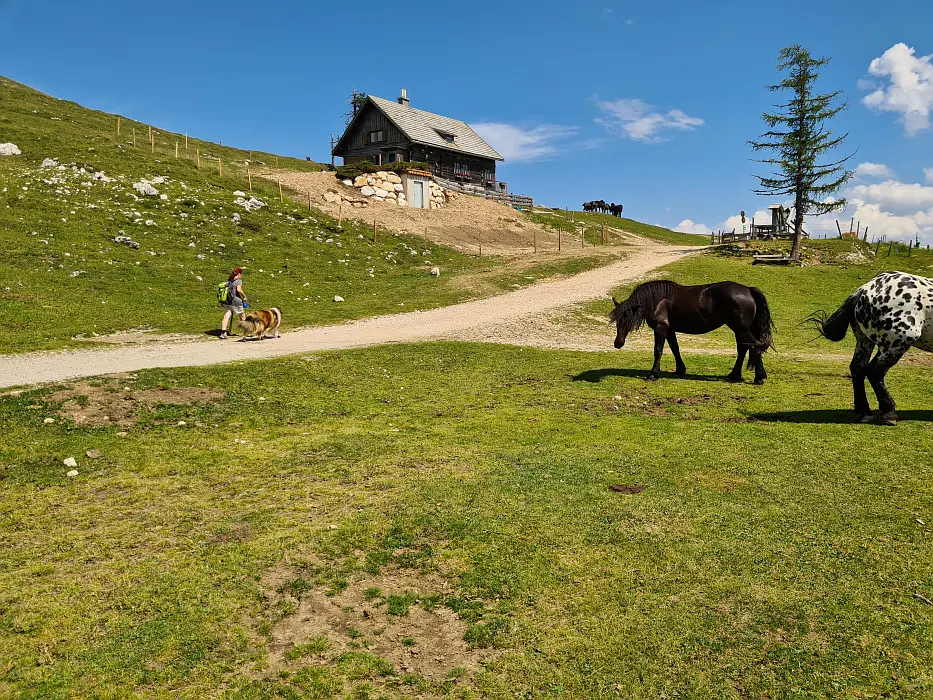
x=395, y=619
x=103, y=404
x=463, y=224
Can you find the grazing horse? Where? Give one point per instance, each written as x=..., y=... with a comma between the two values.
x=892, y=312
x=589, y=206
x=616, y=209
x=671, y=308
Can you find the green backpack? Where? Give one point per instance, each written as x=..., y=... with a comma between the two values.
x=223, y=290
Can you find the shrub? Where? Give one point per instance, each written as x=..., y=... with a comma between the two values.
x=363, y=167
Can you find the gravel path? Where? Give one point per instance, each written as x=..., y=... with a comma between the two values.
x=450, y=322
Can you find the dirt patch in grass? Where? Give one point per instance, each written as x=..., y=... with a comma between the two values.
x=396, y=616
x=627, y=489
x=114, y=402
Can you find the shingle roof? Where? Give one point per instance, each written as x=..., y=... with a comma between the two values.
x=423, y=127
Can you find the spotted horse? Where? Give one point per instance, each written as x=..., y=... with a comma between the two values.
x=892, y=312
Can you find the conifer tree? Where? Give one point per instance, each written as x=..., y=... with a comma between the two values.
x=799, y=138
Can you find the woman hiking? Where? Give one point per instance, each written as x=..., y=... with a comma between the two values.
x=235, y=301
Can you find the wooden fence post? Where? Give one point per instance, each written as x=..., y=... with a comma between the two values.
x=889, y=248
x=582, y=236
x=479, y=238
x=866, y=233
x=910, y=247
x=150, y=133
x=534, y=233
x=220, y=166
x=339, y=211
x=425, y=237
x=176, y=150
x=839, y=228
x=558, y=240
x=134, y=137
x=281, y=197
x=197, y=162
x=249, y=179
x=118, y=127
x=877, y=245
x=186, y=142
x=374, y=232
x=309, y=201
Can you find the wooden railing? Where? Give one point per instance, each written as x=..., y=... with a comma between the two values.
x=513, y=200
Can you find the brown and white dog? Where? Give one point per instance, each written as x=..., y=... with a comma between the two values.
x=259, y=323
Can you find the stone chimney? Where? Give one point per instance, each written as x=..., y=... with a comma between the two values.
x=403, y=98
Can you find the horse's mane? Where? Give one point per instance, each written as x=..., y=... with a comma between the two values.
x=630, y=314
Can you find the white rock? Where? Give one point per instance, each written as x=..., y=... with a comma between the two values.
x=163, y=197
x=250, y=204
x=239, y=193
x=150, y=222
x=49, y=163
x=181, y=422
x=49, y=421
x=401, y=202
x=398, y=187
x=70, y=462
x=360, y=181
x=348, y=182
x=10, y=149
x=382, y=174
x=393, y=178
x=331, y=197
x=146, y=188
x=381, y=192
x=367, y=191
x=338, y=298
x=436, y=271
x=158, y=180
x=73, y=473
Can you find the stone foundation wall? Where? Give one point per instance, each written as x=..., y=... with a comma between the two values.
x=385, y=187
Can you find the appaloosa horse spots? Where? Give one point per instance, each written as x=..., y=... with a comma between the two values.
x=892, y=312
x=670, y=308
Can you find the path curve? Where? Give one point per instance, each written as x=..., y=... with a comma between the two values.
x=435, y=324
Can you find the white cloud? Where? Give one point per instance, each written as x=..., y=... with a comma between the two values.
x=910, y=92
x=899, y=198
x=634, y=119
x=865, y=170
x=688, y=226
x=928, y=175
x=518, y=143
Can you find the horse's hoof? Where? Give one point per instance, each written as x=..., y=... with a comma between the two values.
x=681, y=372
x=886, y=418
x=734, y=379
x=759, y=382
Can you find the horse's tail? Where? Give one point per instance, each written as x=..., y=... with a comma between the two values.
x=835, y=326
x=762, y=324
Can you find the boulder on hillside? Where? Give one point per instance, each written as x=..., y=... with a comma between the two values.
x=381, y=193
x=360, y=181
x=331, y=197
x=10, y=149
x=393, y=178
x=367, y=191
x=145, y=187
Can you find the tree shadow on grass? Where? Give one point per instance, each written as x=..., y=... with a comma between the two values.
x=832, y=416
x=594, y=376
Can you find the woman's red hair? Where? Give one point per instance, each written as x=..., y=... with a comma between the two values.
x=236, y=271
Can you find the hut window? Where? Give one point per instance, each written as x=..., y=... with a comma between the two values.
x=377, y=136
x=449, y=138
x=461, y=169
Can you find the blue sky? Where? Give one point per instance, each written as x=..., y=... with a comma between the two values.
x=649, y=104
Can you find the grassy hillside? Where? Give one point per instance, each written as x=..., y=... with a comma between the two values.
x=593, y=223
x=63, y=277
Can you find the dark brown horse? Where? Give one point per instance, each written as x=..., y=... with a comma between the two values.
x=669, y=308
